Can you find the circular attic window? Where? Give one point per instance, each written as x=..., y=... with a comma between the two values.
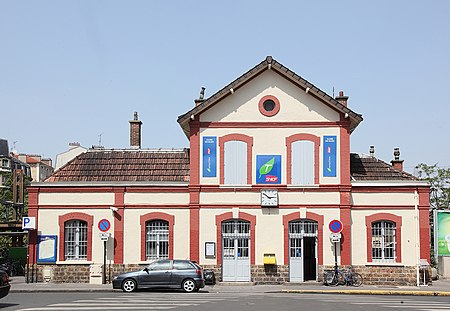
x=269, y=105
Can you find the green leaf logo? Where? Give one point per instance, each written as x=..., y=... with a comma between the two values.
x=267, y=167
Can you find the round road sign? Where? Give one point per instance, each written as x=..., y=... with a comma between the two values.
x=336, y=226
x=104, y=225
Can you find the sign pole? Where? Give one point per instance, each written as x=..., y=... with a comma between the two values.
x=104, y=263
x=28, y=256
x=335, y=256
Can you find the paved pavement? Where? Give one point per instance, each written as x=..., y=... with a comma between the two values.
x=437, y=288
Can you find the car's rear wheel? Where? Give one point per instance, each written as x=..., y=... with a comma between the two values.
x=189, y=285
x=129, y=285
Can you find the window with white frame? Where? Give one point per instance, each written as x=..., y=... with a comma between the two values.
x=75, y=240
x=157, y=239
x=235, y=163
x=302, y=162
x=383, y=241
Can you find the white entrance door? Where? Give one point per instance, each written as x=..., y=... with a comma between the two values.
x=236, y=251
x=296, y=257
x=301, y=256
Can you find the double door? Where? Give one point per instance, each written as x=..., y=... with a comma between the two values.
x=302, y=251
x=236, y=251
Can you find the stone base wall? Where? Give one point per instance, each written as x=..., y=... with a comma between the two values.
x=381, y=275
x=260, y=274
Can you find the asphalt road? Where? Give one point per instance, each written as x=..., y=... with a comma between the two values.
x=204, y=301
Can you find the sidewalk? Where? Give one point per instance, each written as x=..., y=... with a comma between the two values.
x=437, y=288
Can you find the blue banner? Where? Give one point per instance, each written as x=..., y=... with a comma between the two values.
x=268, y=169
x=329, y=156
x=209, y=156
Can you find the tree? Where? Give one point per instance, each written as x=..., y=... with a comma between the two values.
x=439, y=179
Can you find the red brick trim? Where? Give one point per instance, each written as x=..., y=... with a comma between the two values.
x=89, y=219
x=346, y=241
x=264, y=111
x=296, y=216
x=296, y=137
x=240, y=137
x=229, y=216
x=155, y=216
x=398, y=233
x=194, y=243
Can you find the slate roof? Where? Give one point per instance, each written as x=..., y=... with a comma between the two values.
x=173, y=166
x=126, y=165
x=269, y=64
x=368, y=168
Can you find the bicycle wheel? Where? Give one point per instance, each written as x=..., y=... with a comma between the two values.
x=338, y=279
x=341, y=278
x=357, y=279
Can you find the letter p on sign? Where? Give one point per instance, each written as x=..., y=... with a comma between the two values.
x=29, y=223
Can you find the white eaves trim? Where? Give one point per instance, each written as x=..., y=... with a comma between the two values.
x=109, y=184
x=390, y=184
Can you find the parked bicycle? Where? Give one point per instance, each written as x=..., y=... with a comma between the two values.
x=343, y=277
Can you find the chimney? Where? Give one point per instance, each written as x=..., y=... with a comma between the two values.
x=397, y=163
x=372, y=151
x=200, y=97
x=135, y=132
x=342, y=99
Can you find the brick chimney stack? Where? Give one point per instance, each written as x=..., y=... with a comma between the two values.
x=135, y=132
x=397, y=163
x=342, y=99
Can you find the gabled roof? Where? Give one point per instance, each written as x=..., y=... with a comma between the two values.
x=368, y=168
x=126, y=166
x=269, y=64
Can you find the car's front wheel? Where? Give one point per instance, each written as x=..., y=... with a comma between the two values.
x=189, y=285
x=129, y=285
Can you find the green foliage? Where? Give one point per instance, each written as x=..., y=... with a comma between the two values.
x=439, y=179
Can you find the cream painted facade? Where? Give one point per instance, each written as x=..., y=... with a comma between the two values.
x=268, y=109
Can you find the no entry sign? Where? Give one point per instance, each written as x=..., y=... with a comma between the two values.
x=104, y=225
x=336, y=226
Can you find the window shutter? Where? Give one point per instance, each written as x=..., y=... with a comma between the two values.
x=303, y=162
x=235, y=163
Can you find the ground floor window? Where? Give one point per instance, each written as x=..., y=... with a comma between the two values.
x=75, y=240
x=383, y=241
x=157, y=239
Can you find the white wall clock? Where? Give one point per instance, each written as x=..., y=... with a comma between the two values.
x=269, y=197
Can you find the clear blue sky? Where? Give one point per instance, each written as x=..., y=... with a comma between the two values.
x=72, y=70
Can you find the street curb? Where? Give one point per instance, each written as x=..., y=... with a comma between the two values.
x=369, y=292
x=57, y=290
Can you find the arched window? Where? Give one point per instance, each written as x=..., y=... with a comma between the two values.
x=236, y=159
x=303, y=162
x=156, y=239
x=383, y=241
x=75, y=240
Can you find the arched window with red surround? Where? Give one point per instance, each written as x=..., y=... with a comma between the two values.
x=302, y=159
x=236, y=159
x=384, y=238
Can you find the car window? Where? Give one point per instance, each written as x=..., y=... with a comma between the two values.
x=160, y=265
x=182, y=265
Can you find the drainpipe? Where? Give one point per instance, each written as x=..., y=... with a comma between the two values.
x=416, y=209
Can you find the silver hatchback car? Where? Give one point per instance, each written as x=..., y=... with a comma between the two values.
x=164, y=273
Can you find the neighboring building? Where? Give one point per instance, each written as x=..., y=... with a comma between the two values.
x=64, y=157
x=9, y=162
x=40, y=168
x=255, y=197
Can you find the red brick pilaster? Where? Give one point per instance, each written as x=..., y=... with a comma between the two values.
x=345, y=218
x=33, y=208
x=344, y=138
x=194, y=191
x=119, y=203
x=424, y=222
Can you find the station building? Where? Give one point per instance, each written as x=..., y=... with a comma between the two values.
x=267, y=179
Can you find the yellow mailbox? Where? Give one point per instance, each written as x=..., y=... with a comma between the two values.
x=270, y=259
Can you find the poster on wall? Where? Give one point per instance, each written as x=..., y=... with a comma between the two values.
x=209, y=156
x=46, y=249
x=329, y=156
x=268, y=169
x=443, y=233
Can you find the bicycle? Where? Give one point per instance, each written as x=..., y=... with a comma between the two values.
x=344, y=277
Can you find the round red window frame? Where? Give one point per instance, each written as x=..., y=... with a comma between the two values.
x=264, y=111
